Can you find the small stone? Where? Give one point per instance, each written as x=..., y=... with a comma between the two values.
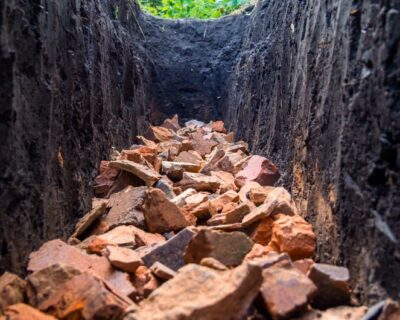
x=96, y=245
x=213, y=264
x=168, y=166
x=278, y=201
x=190, y=157
x=212, y=161
x=146, y=142
x=131, y=237
x=123, y=258
x=228, y=248
x=218, y=126
x=173, y=170
x=88, y=219
x=228, y=162
x=196, y=199
x=179, y=200
x=172, y=124
x=171, y=252
x=237, y=214
x=120, y=236
x=292, y=234
x=258, y=195
x=258, y=169
x=201, y=145
x=45, y=282
x=158, y=134
x=216, y=205
x=145, y=282
x=208, y=294
x=226, y=180
x=199, y=182
x=21, y=311
x=240, y=145
x=166, y=186
x=332, y=283
x=162, y=272
x=12, y=290
x=161, y=214
x=259, y=213
x=133, y=155
x=286, y=291
x=105, y=179
x=148, y=175
x=84, y=297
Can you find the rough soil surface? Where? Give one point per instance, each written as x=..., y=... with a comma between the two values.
x=73, y=84
x=313, y=85
x=317, y=89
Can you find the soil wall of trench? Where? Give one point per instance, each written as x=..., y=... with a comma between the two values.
x=312, y=84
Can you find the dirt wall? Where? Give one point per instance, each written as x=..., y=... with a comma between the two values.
x=317, y=89
x=73, y=83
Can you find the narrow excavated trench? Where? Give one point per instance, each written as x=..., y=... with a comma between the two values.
x=313, y=85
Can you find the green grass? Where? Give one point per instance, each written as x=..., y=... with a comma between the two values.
x=200, y=9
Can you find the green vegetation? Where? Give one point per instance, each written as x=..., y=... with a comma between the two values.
x=200, y=9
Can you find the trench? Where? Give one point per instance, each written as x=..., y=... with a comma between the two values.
x=313, y=85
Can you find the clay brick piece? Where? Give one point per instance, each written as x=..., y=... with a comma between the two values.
x=161, y=214
x=124, y=259
x=332, y=283
x=126, y=208
x=258, y=169
x=292, y=234
x=172, y=124
x=45, y=282
x=12, y=290
x=106, y=178
x=162, y=272
x=228, y=248
x=88, y=219
x=199, y=182
x=84, y=297
x=56, y=251
x=171, y=252
x=208, y=294
x=286, y=291
x=158, y=134
x=278, y=201
x=201, y=145
x=143, y=172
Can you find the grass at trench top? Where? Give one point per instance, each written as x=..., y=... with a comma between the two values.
x=200, y=9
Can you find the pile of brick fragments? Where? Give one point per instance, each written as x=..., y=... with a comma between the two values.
x=185, y=225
